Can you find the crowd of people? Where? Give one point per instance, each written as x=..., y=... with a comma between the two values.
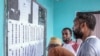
x=84, y=25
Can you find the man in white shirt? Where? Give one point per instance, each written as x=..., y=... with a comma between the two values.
x=84, y=24
x=68, y=43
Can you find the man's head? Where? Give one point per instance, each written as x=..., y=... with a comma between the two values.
x=66, y=34
x=54, y=42
x=84, y=24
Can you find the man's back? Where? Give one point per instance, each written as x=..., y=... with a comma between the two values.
x=59, y=51
x=90, y=47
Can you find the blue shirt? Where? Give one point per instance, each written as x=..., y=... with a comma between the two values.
x=90, y=47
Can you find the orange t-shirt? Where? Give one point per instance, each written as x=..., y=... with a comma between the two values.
x=59, y=51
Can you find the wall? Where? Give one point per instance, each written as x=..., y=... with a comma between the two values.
x=1, y=27
x=64, y=12
x=48, y=5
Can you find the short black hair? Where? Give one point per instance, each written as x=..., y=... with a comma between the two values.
x=89, y=18
x=66, y=28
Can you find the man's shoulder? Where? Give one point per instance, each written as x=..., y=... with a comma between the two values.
x=59, y=49
x=91, y=46
x=92, y=42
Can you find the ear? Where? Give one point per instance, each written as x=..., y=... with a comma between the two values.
x=83, y=25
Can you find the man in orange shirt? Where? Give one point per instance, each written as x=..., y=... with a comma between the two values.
x=55, y=48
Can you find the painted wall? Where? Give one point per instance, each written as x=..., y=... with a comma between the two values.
x=64, y=12
x=1, y=27
x=48, y=5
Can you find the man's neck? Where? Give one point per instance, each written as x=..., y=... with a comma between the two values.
x=68, y=42
x=87, y=35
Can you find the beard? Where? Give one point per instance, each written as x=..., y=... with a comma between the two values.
x=66, y=40
x=77, y=33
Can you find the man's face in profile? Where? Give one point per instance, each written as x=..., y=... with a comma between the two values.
x=77, y=29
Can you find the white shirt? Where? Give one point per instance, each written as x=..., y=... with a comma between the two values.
x=69, y=47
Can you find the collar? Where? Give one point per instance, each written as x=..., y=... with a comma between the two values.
x=70, y=42
x=92, y=36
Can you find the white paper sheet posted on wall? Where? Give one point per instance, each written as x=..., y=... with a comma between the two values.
x=25, y=35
